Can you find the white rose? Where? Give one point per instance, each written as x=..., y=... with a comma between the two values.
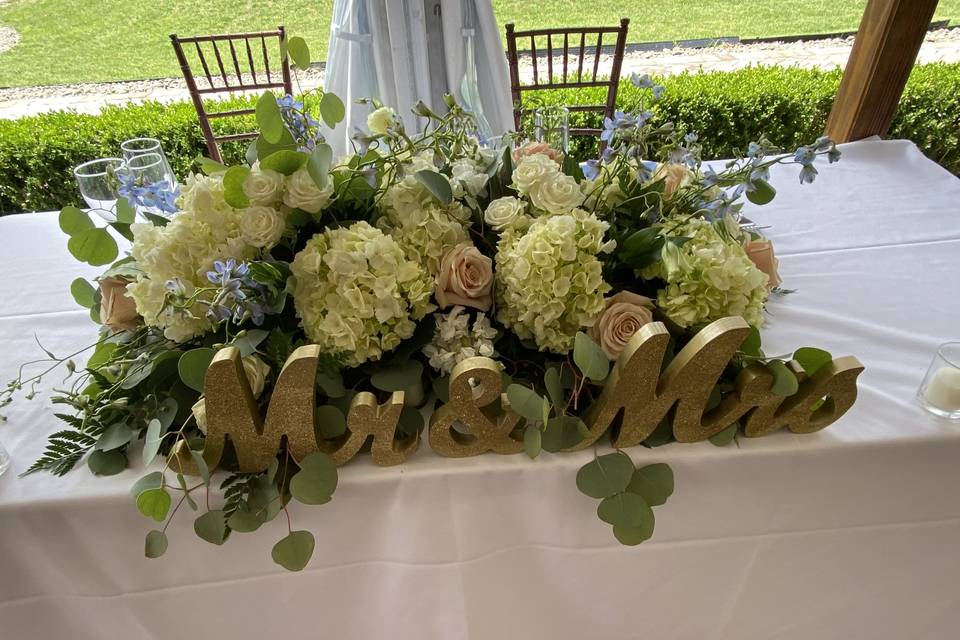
x=263, y=186
x=502, y=212
x=303, y=193
x=262, y=227
x=533, y=169
x=380, y=120
x=557, y=195
x=256, y=371
x=465, y=172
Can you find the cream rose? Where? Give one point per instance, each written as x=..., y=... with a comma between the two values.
x=262, y=227
x=531, y=148
x=761, y=254
x=380, y=120
x=557, y=195
x=674, y=177
x=465, y=278
x=303, y=193
x=263, y=186
x=532, y=170
x=623, y=315
x=117, y=309
x=256, y=371
x=503, y=212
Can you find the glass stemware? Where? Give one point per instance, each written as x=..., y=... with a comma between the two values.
x=141, y=146
x=98, y=182
x=552, y=125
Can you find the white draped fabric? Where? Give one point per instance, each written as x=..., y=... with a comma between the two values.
x=852, y=532
x=402, y=51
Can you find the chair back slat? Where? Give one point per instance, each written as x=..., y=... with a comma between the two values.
x=241, y=79
x=570, y=78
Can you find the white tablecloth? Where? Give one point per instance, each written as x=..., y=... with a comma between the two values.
x=851, y=533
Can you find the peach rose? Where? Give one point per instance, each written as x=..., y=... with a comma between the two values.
x=761, y=253
x=622, y=317
x=465, y=278
x=674, y=176
x=530, y=148
x=117, y=310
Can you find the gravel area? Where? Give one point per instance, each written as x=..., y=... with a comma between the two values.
x=8, y=38
x=942, y=45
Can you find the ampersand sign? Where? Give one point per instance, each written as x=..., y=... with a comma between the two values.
x=476, y=403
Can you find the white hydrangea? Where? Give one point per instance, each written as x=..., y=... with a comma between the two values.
x=356, y=292
x=454, y=340
x=184, y=250
x=467, y=178
x=708, y=277
x=549, y=279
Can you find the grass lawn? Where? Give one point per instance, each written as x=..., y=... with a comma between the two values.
x=64, y=41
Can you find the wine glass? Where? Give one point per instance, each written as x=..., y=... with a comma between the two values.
x=145, y=170
x=98, y=182
x=552, y=125
x=140, y=146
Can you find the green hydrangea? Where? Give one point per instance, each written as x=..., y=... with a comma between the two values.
x=357, y=294
x=549, y=279
x=708, y=277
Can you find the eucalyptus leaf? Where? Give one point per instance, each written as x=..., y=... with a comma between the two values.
x=73, y=221
x=126, y=214
x=725, y=437
x=245, y=519
x=784, y=381
x=410, y=422
x=532, y=441
x=94, y=246
x=299, y=52
x=318, y=166
x=811, y=358
x=155, y=544
x=151, y=441
x=654, y=483
x=193, y=367
x=316, y=481
x=551, y=380
x=294, y=551
x=209, y=166
x=212, y=527
x=590, y=358
x=268, y=116
x=562, y=432
x=201, y=464
x=167, y=413
x=751, y=346
x=634, y=536
x=83, y=292
x=525, y=401
x=233, y=191
x=331, y=382
x=284, y=161
x=625, y=509
x=107, y=463
x=152, y=480
x=263, y=147
x=437, y=184
x=114, y=437
x=154, y=503
x=605, y=475
x=186, y=492
x=332, y=110
x=330, y=421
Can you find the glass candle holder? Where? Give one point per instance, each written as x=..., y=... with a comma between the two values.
x=940, y=390
x=552, y=125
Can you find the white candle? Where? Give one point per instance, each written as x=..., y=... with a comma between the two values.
x=943, y=391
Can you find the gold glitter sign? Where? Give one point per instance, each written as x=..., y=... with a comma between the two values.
x=637, y=396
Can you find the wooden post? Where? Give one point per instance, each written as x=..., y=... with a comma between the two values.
x=884, y=51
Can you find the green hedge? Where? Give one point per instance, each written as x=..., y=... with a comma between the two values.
x=726, y=109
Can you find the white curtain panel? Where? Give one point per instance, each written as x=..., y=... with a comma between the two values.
x=401, y=51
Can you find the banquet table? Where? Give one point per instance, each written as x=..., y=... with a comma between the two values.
x=852, y=532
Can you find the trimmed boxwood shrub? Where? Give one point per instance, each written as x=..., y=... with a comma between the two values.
x=726, y=109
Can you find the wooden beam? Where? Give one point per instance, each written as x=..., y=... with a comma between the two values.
x=883, y=54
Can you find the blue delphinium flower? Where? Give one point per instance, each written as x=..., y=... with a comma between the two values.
x=240, y=296
x=158, y=195
x=591, y=169
x=808, y=174
x=301, y=124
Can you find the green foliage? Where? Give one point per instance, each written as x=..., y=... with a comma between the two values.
x=316, y=481
x=727, y=110
x=590, y=358
x=811, y=358
x=606, y=475
x=294, y=551
x=437, y=184
x=155, y=544
x=193, y=367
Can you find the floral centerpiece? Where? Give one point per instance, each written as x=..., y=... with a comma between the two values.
x=401, y=260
